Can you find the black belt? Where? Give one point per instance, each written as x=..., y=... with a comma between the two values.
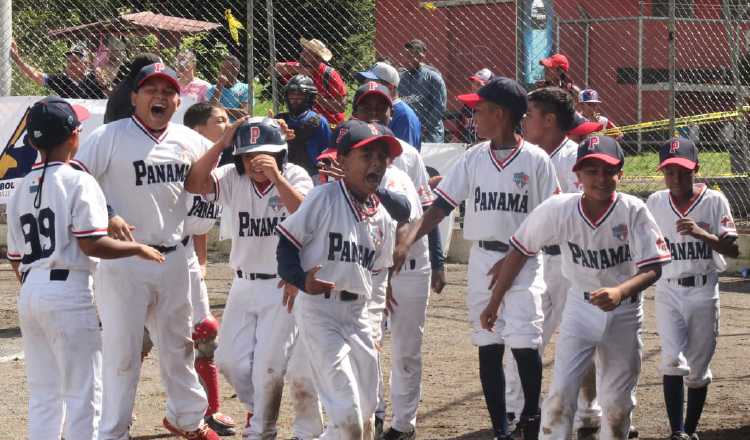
x=495, y=246
x=255, y=276
x=185, y=240
x=632, y=299
x=54, y=275
x=164, y=249
x=344, y=295
x=552, y=250
x=691, y=281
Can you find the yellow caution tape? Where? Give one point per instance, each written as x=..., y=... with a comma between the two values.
x=684, y=121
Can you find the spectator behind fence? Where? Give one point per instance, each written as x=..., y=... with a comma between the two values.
x=229, y=91
x=119, y=104
x=190, y=85
x=556, y=69
x=404, y=122
x=468, y=129
x=76, y=82
x=423, y=88
x=331, y=100
x=588, y=102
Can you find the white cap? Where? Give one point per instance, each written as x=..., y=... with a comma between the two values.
x=481, y=76
x=383, y=72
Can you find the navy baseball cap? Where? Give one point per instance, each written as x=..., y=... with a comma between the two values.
x=52, y=120
x=259, y=135
x=157, y=70
x=355, y=133
x=502, y=91
x=603, y=148
x=589, y=95
x=679, y=151
x=372, y=88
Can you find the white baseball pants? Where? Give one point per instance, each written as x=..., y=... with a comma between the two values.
x=198, y=288
x=62, y=344
x=308, y=418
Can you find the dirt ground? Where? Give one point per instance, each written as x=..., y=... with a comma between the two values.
x=452, y=404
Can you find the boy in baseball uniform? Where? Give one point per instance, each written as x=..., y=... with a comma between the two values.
x=611, y=251
x=698, y=226
x=329, y=249
x=502, y=180
x=57, y=231
x=261, y=189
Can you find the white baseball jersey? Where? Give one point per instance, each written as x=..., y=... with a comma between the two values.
x=499, y=193
x=72, y=207
x=347, y=239
x=255, y=215
x=563, y=158
x=596, y=253
x=143, y=176
x=710, y=210
x=410, y=162
x=398, y=181
x=201, y=215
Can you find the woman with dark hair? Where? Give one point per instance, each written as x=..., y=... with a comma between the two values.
x=118, y=104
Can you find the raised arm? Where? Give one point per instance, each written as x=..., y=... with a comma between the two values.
x=199, y=179
x=32, y=73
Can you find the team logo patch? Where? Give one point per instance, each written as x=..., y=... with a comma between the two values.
x=254, y=135
x=662, y=245
x=341, y=135
x=376, y=234
x=620, y=232
x=521, y=179
x=593, y=143
x=674, y=146
x=727, y=222
x=275, y=203
x=34, y=187
x=705, y=226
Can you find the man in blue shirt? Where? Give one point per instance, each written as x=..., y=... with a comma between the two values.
x=423, y=88
x=404, y=123
x=312, y=134
x=229, y=91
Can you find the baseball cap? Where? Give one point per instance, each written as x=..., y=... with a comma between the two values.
x=355, y=133
x=156, y=70
x=329, y=153
x=52, y=120
x=416, y=44
x=603, y=148
x=588, y=95
x=381, y=71
x=584, y=127
x=76, y=49
x=502, y=91
x=482, y=76
x=372, y=88
x=259, y=135
x=679, y=151
x=556, y=61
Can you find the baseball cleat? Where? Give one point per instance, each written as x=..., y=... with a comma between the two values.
x=202, y=433
x=222, y=424
x=633, y=433
x=530, y=427
x=587, y=433
x=679, y=436
x=393, y=434
x=379, y=428
x=694, y=436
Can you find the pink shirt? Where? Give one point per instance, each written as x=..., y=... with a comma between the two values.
x=195, y=89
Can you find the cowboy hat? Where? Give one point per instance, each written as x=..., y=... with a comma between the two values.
x=317, y=47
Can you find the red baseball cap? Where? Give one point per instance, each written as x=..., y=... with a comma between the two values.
x=584, y=127
x=556, y=61
x=328, y=153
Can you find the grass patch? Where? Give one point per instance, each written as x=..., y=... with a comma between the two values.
x=713, y=164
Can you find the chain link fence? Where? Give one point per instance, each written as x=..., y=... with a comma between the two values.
x=660, y=67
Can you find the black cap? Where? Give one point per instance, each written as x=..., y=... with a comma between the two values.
x=372, y=88
x=52, y=120
x=502, y=91
x=157, y=70
x=679, y=151
x=603, y=148
x=416, y=44
x=355, y=133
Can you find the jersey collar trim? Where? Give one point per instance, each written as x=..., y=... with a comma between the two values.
x=595, y=223
x=360, y=211
x=148, y=133
x=559, y=147
x=504, y=164
x=264, y=192
x=40, y=165
x=692, y=206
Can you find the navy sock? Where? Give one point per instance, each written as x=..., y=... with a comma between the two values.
x=530, y=369
x=696, y=397
x=493, y=384
x=674, y=398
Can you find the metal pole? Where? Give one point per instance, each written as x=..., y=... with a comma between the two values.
x=556, y=49
x=250, y=52
x=738, y=148
x=639, y=97
x=586, y=53
x=272, y=56
x=672, y=65
x=6, y=34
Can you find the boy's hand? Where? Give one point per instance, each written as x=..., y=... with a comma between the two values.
x=438, y=280
x=150, y=254
x=119, y=229
x=315, y=286
x=227, y=138
x=687, y=226
x=607, y=298
x=266, y=164
x=332, y=169
x=495, y=272
x=489, y=315
x=290, y=293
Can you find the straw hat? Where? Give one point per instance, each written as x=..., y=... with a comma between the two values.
x=317, y=47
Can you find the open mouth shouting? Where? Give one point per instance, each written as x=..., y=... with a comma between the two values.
x=158, y=110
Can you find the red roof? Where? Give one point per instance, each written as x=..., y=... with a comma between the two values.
x=139, y=22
